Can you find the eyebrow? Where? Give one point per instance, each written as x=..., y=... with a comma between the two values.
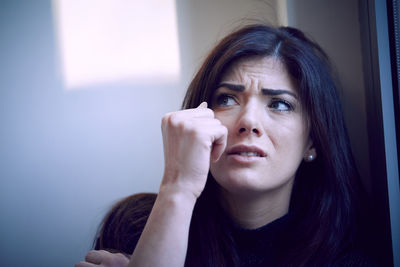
x=264, y=91
x=274, y=92
x=233, y=87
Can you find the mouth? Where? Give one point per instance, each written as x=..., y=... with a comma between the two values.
x=247, y=151
x=247, y=154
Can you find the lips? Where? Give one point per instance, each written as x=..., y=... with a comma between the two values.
x=247, y=151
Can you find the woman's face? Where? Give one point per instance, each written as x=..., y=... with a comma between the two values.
x=268, y=133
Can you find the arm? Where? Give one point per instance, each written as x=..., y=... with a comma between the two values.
x=191, y=139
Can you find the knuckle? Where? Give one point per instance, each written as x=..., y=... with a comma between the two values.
x=174, y=120
x=182, y=125
x=168, y=121
x=164, y=119
x=88, y=255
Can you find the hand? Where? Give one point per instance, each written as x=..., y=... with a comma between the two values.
x=192, y=138
x=104, y=258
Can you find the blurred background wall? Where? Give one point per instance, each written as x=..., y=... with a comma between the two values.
x=70, y=148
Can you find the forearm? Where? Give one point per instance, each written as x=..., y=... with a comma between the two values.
x=191, y=138
x=165, y=237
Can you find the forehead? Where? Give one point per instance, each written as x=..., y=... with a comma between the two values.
x=268, y=72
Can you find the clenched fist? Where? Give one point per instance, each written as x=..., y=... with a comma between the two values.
x=191, y=138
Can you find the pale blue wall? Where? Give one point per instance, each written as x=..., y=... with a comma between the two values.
x=65, y=156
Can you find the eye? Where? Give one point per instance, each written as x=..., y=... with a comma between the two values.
x=225, y=100
x=280, y=105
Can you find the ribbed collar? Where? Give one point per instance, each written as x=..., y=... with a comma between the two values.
x=260, y=246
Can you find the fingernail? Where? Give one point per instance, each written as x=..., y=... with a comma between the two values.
x=203, y=105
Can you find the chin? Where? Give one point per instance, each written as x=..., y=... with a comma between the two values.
x=243, y=184
x=249, y=184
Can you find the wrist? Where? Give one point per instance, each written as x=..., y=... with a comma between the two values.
x=183, y=184
x=177, y=195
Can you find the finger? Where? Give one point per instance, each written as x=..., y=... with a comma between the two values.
x=185, y=114
x=116, y=259
x=203, y=105
x=202, y=112
x=85, y=264
x=203, y=122
x=95, y=256
x=219, y=144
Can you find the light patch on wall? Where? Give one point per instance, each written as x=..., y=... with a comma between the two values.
x=117, y=40
x=282, y=13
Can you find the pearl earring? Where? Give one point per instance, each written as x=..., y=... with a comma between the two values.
x=310, y=156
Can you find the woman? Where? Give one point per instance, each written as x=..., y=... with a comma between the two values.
x=258, y=166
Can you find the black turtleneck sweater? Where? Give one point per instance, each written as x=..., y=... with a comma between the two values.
x=257, y=247
x=263, y=246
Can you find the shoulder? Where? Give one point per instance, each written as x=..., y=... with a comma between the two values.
x=124, y=223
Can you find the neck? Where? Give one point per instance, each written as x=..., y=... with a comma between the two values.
x=254, y=210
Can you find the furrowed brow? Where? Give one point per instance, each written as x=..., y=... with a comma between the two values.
x=274, y=92
x=233, y=87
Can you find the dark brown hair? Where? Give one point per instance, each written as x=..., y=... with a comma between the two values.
x=124, y=223
x=324, y=197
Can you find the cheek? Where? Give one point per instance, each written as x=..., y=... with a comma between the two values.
x=292, y=137
x=228, y=120
x=216, y=169
x=213, y=166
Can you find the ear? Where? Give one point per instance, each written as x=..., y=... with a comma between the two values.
x=310, y=155
x=310, y=144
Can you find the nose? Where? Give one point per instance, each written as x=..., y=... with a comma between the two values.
x=249, y=121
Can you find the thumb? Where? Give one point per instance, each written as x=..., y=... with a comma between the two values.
x=219, y=146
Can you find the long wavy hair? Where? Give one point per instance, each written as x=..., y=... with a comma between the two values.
x=324, y=197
